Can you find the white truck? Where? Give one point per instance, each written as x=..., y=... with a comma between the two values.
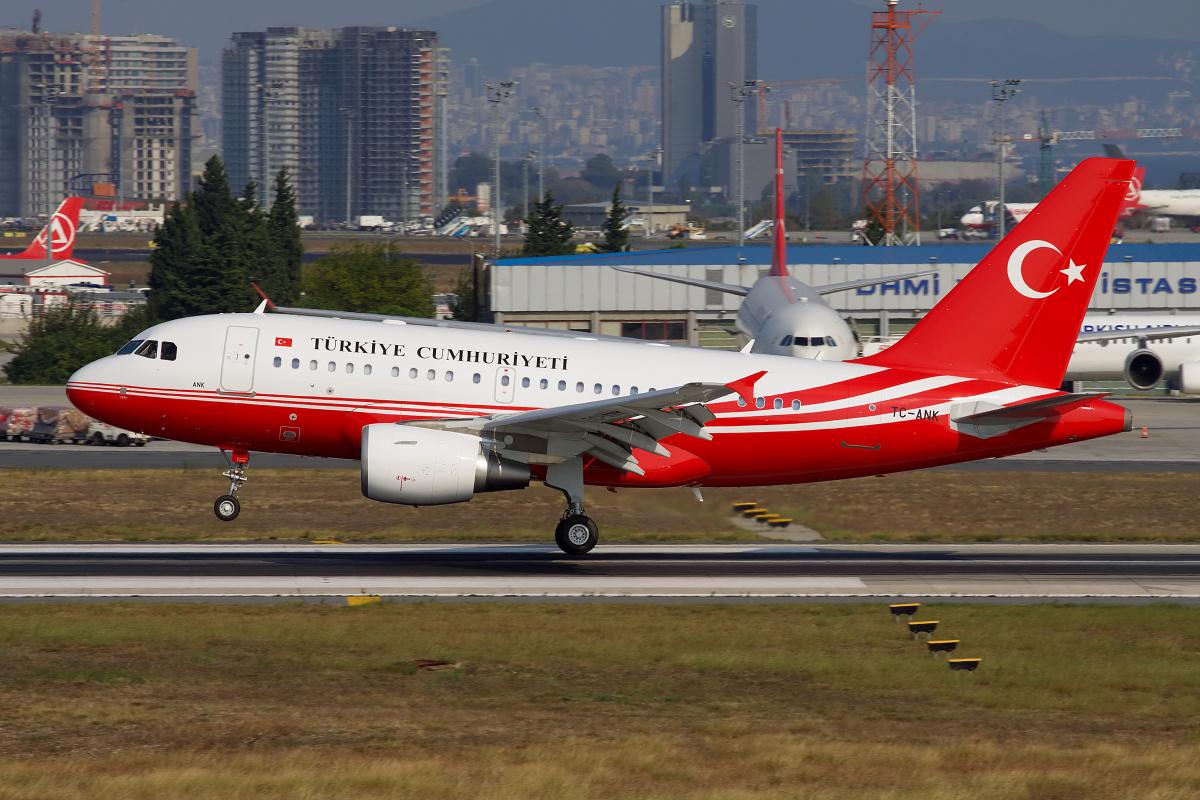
x=101, y=433
x=370, y=222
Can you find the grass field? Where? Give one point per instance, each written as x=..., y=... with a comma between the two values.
x=152, y=505
x=595, y=701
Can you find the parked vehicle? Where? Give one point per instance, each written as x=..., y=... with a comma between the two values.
x=101, y=433
x=59, y=426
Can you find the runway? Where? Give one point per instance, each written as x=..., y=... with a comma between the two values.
x=717, y=573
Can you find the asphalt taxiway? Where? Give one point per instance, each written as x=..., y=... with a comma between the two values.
x=715, y=573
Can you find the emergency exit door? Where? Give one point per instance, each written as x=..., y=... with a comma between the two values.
x=237, y=365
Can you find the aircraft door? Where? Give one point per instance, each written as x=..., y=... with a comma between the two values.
x=506, y=380
x=237, y=364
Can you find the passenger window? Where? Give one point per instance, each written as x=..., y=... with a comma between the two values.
x=475, y=378
x=332, y=367
x=544, y=383
x=779, y=402
x=579, y=386
x=366, y=369
x=168, y=351
x=759, y=402
x=616, y=390
x=395, y=372
x=149, y=349
x=431, y=374
x=505, y=380
x=524, y=383
x=295, y=363
x=597, y=389
x=562, y=386
x=130, y=347
x=741, y=401
x=633, y=390
x=349, y=368
x=312, y=365
x=449, y=375
x=795, y=405
x=278, y=361
x=787, y=340
x=800, y=341
x=412, y=373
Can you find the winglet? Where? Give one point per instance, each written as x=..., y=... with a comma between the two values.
x=262, y=294
x=745, y=386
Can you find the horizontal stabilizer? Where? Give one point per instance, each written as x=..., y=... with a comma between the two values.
x=1143, y=334
x=728, y=288
x=985, y=420
x=830, y=288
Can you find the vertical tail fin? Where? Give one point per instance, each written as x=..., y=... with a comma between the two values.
x=1133, y=198
x=779, y=245
x=59, y=233
x=1016, y=315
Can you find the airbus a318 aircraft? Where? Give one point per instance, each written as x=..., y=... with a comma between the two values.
x=780, y=315
x=438, y=412
x=59, y=233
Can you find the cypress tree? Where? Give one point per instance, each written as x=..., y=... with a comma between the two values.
x=287, y=250
x=177, y=245
x=547, y=234
x=214, y=202
x=616, y=237
x=257, y=253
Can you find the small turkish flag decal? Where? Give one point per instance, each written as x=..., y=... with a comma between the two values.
x=282, y=342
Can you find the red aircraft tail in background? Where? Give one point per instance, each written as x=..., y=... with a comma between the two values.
x=1133, y=198
x=60, y=232
x=779, y=246
x=1031, y=290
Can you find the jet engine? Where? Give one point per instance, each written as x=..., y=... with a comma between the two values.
x=1143, y=370
x=425, y=467
x=1189, y=377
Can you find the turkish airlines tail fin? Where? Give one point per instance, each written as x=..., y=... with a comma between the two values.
x=60, y=231
x=1133, y=198
x=779, y=245
x=1016, y=315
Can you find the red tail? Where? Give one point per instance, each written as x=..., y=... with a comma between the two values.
x=1133, y=198
x=779, y=247
x=60, y=231
x=1016, y=315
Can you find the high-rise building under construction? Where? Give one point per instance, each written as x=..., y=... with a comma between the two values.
x=706, y=47
x=351, y=112
x=88, y=114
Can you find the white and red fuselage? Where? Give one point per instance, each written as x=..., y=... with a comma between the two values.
x=308, y=385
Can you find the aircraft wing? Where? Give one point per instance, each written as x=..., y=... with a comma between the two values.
x=728, y=288
x=830, y=288
x=444, y=323
x=610, y=429
x=1144, y=334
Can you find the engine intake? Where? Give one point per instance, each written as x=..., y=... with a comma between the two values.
x=1143, y=370
x=424, y=467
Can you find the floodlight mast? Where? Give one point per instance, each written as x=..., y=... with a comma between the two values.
x=496, y=96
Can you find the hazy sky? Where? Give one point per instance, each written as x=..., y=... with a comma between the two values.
x=208, y=23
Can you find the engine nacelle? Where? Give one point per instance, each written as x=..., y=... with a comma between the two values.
x=424, y=467
x=1143, y=370
x=1189, y=377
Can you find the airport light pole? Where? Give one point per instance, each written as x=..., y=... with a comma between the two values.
x=740, y=94
x=525, y=173
x=349, y=113
x=1001, y=91
x=541, y=112
x=496, y=96
x=652, y=158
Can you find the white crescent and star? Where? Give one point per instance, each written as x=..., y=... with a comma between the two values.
x=1016, y=264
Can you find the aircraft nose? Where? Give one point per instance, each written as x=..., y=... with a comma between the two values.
x=87, y=385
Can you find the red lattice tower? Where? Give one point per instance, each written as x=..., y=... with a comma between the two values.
x=890, y=162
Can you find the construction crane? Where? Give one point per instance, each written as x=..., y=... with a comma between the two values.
x=766, y=86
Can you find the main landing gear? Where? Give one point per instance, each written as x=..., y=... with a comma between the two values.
x=227, y=506
x=576, y=533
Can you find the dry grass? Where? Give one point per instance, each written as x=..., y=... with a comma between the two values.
x=595, y=701
x=306, y=504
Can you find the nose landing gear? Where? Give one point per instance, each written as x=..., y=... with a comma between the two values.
x=227, y=506
x=576, y=533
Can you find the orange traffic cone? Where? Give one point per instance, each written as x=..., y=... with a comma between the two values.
x=1145, y=435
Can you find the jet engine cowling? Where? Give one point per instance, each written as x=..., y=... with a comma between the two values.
x=425, y=467
x=1189, y=377
x=1143, y=370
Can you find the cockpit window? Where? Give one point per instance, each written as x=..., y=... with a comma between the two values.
x=129, y=347
x=829, y=342
x=800, y=341
x=148, y=349
x=787, y=340
x=169, y=351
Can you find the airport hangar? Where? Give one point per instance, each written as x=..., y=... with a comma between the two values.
x=582, y=293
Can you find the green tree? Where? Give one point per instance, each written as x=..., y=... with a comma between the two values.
x=288, y=250
x=463, y=306
x=616, y=237
x=213, y=200
x=546, y=234
x=370, y=278
x=64, y=338
x=600, y=172
x=258, y=260
x=173, y=259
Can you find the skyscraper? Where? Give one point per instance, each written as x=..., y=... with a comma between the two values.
x=706, y=46
x=350, y=112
